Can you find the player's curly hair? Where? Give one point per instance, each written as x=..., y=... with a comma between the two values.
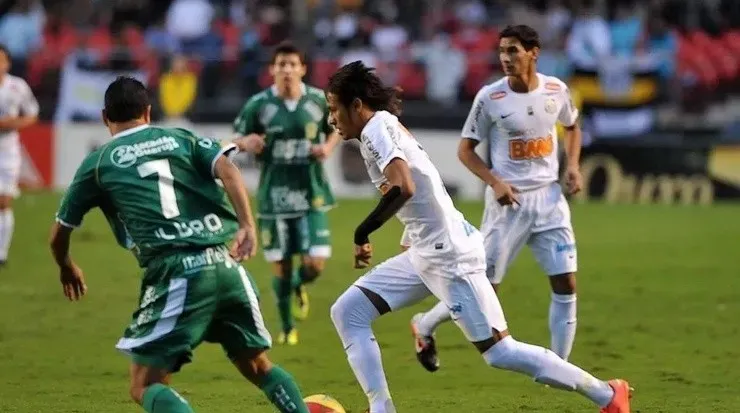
x=357, y=81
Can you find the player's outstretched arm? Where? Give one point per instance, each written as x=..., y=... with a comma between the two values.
x=70, y=275
x=245, y=245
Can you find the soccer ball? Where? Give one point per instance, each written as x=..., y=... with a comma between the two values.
x=321, y=403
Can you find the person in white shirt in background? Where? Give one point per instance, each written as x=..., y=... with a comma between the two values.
x=517, y=117
x=446, y=257
x=18, y=109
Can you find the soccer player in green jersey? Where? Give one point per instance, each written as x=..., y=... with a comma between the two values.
x=286, y=126
x=175, y=200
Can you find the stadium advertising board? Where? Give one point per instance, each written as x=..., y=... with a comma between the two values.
x=673, y=174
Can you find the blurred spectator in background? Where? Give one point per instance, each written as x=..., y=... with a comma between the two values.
x=21, y=33
x=445, y=68
x=177, y=89
x=589, y=42
x=251, y=58
x=160, y=41
x=189, y=21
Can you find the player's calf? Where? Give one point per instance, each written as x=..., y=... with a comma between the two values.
x=353, y=314
x=277, y=384
x=7, y=223
x=149, y=389
x=562, y=316
x=283, y=285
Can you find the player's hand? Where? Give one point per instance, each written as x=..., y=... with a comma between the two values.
x=244, y=245
x=574, y=180
x=363, y=254
x=505, y=194
x=252, y=143
x=320, y=151
x=73, y=281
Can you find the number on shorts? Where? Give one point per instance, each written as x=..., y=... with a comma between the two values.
x=166, y=184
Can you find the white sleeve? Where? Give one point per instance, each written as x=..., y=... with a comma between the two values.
x=568, y=113
x=29, y=104
x=382, y=142
x=478, y=124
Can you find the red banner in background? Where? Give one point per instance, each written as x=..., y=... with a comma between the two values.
x=37, y=150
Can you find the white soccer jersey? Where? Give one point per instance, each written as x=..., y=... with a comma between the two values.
x=434, y=228
x=16, y=99
x=520, y=129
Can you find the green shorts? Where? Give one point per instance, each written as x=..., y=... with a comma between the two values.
x=189, y=297
x=307, y=234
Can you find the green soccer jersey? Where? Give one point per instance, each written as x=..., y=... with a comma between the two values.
x=157, y=190
x=292, y=181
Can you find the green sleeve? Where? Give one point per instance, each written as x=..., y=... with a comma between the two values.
x=247, y=121
x=205, y=154
x=325, y=126
x=83, y=194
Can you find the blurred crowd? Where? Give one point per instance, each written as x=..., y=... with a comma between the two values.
x=438, y=50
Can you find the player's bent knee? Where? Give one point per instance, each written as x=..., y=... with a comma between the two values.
x=6, y=202
x=143, y=377
x=353, y=309
x=283, y=269
x=563, y=284
x=254, y=365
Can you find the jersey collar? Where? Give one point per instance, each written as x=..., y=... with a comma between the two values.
x=274, y=90
x=130, y=131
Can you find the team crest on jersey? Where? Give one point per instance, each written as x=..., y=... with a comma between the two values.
x=314, y=110
x=267, y=113
x=311, y=130
x=318, y=202
x=497, y=95
x=550, y=106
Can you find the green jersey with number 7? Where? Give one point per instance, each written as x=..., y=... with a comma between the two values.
x=157, y=190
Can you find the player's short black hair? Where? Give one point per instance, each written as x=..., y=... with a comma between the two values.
x=356, y=81
x=527, y=36
x=287, y=47
x=126, y=99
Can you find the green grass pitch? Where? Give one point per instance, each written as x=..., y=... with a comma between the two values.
x=659, y=304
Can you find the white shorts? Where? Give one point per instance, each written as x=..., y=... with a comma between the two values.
x=542, y=221
x=461, y=284
x=9, y=181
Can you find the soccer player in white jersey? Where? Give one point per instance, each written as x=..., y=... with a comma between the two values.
x=445, y=257
x=517, y=116
x=18, y=109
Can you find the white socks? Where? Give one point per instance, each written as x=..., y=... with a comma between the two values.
x=547, y=368
x=7, y=222
x=352, y=314
x=430, y=320
x=562, y=324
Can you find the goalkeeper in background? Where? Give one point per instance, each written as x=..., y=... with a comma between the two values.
x=286, y=127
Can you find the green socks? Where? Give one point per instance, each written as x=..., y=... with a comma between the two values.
x=284, y=293
x=283, y=391
x=159, y=398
